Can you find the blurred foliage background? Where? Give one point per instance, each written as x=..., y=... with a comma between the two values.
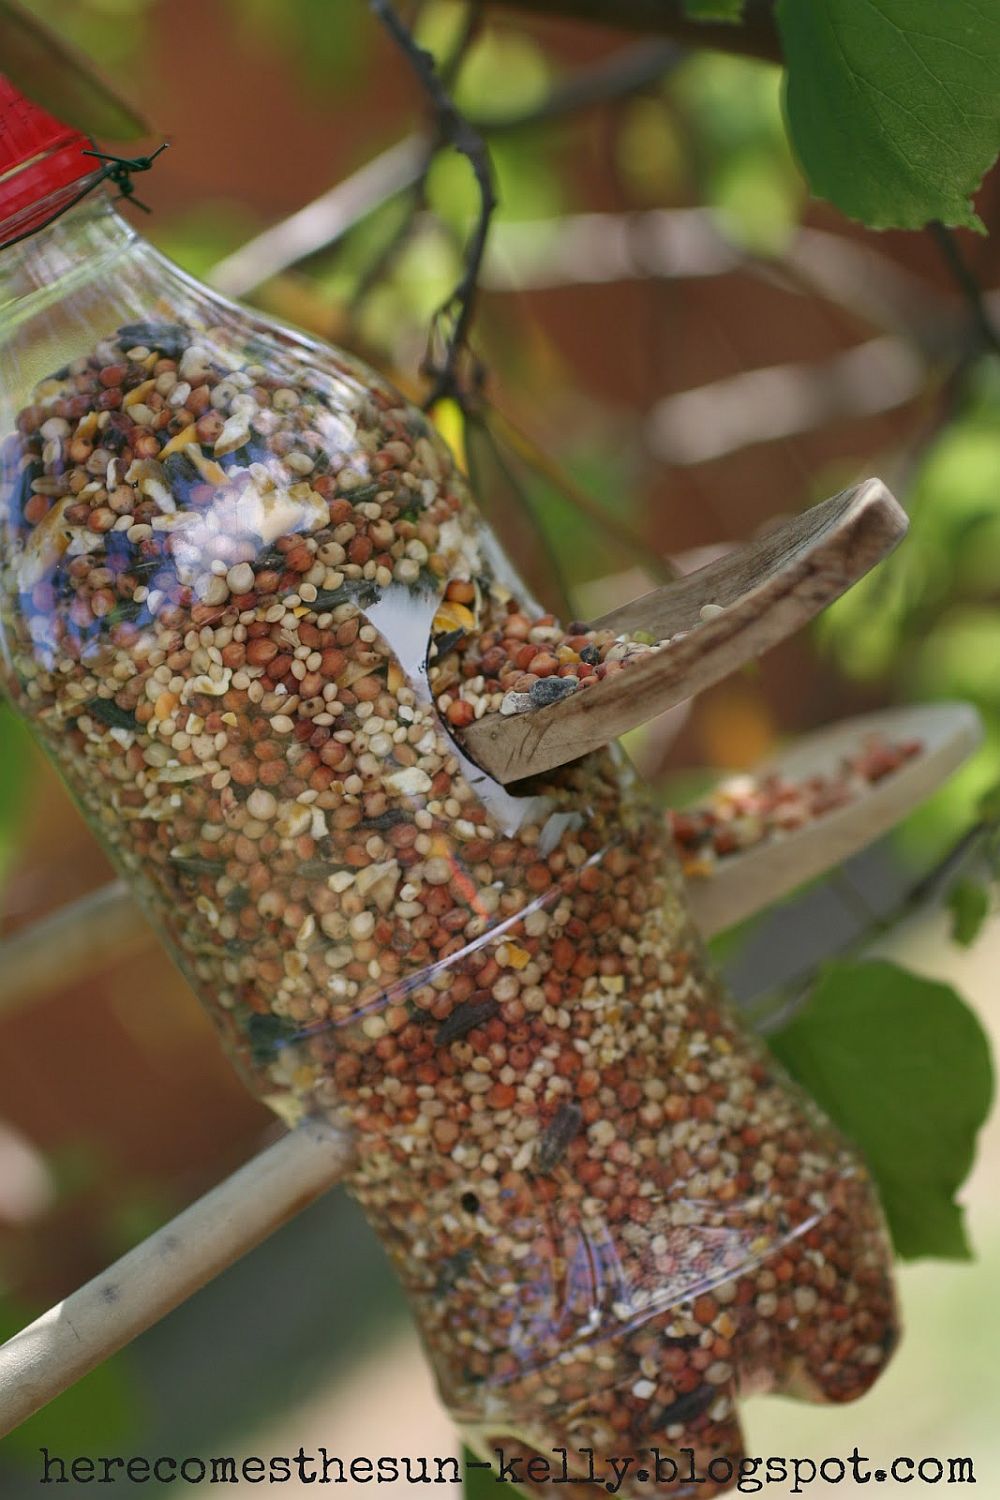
x=687, y=338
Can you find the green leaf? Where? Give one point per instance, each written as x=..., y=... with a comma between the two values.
x=15, y=760
x=15, y=773
x=329, y=43
x=903, y=1066
x=757, y=197
x=482, y=1484
x=504, y=74
x=989, y=805
x=969, y=904
x=894, y=105
x=714, y=10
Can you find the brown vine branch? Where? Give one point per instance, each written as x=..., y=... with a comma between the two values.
x=535, y=458
x=386, y=258
x=619, y=76
x=978, y=334
x=623, y=75
x=985, y=329
x=402, y=168
x=451, y=126
x=756, y=36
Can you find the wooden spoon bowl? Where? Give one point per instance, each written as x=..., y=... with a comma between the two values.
x=763, y=592
x=740, y=885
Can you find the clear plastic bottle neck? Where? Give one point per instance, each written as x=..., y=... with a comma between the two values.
x=84, y=238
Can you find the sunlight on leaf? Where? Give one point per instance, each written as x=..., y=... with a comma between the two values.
x=961, y=656
x=329, y=43
x=504, y=74
x=439, y=27
x=735, y=102
x=649, y=153
x=747, y=172
x=757, y=200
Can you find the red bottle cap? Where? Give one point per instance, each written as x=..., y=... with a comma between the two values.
x=39, y=156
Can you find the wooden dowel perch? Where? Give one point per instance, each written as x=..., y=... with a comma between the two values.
x=76, y=1335
x=71, y=944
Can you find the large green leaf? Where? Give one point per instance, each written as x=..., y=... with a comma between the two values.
x=902, y=1065
x=894, y=105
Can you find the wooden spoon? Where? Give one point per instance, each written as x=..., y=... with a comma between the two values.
x=740, y=885
x=766, y=590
